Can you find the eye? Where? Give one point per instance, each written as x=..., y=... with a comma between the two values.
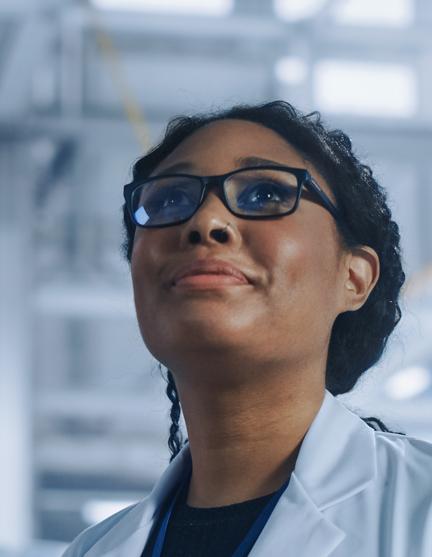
x=167, y=199
x=265, y=193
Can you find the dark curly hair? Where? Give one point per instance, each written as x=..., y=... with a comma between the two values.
x=359, y=337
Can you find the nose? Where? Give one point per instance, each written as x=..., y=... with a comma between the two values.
x=212, y=224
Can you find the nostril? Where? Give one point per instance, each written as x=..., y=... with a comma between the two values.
x=194, y=237
x=219, y=235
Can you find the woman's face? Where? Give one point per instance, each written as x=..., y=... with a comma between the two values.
x=286, y=311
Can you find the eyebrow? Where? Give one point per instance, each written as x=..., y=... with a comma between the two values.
x=240, y=161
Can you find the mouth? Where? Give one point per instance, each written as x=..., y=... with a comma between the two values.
x=210, y=280
x=207, y=273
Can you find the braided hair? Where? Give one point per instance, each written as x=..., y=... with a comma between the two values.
x=175, y=440
x=358, y=338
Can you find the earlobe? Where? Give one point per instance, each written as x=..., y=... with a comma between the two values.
x=363, y=274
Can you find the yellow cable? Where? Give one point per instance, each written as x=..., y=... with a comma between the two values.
x=129, y=101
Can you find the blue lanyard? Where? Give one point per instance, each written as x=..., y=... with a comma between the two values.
x=247, y=542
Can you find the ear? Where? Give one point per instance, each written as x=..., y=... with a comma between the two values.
x=361, y=273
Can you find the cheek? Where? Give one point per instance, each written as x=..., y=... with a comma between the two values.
x=143, y=277
x=301, y=263
x=146, y=256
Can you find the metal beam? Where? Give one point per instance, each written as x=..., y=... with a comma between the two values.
x=15, y=360
x=26, y=49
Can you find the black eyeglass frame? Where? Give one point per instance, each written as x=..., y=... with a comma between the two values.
x=303, y=176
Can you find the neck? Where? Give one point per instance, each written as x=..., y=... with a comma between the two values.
x=244, y=440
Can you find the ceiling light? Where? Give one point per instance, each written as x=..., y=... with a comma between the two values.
x=198, y=7
x=365, y=88
x=396, y=13
x=408, y=382
x=292, y=10
x=291, y=70
x=96, y=510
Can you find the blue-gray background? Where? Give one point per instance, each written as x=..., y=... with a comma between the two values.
x=84, y=87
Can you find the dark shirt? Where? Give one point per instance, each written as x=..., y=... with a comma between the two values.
x=205, y=532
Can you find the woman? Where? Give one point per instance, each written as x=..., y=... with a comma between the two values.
x=266, y=272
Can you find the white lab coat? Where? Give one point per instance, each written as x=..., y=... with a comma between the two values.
x=354, y=492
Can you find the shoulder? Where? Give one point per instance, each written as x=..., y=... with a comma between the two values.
x=88, y=537
x=414, y=450
x=405, y=459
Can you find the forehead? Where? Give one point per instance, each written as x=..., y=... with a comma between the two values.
x=216, y=148
x=231, y=139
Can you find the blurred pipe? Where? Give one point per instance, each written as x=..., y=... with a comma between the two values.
x=16, y=481
x=129, y=101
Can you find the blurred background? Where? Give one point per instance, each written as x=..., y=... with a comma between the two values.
x=85, y=87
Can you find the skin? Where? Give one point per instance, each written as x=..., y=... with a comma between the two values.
x=248, y=360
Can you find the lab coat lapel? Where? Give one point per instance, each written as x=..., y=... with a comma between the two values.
x=336, y=461
x=129, y=535
x=297, y=527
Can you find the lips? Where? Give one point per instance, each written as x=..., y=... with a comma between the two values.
x=210, y=267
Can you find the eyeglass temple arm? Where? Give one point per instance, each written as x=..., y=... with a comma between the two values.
x=310, y=182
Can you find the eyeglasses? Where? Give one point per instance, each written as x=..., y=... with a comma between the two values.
x=255, y=192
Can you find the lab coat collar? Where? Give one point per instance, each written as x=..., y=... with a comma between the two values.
x=336, y=461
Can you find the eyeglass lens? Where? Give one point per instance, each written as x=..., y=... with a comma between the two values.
x=258, y=192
